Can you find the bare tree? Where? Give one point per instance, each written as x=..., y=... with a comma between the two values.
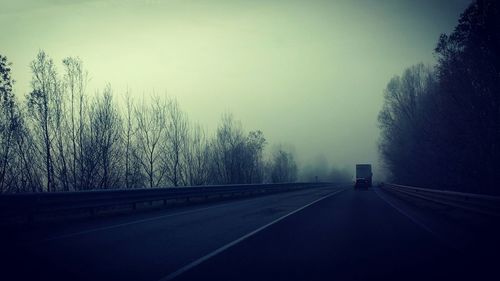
x=60, y=132
x=41, y=103
x=237, y=158
x=282, y=166
x=225, y=150
x=28, y=166
x=197, y=156
x=106, y=124
x=255, y=144
x=151, y=127
x=128, y=134
x=75, y=82
x=9, y=125
x=176, y=144
x=89, y=155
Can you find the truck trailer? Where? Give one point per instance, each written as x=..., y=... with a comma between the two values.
x=363, y=175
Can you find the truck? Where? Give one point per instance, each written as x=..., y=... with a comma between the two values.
x=363, y=175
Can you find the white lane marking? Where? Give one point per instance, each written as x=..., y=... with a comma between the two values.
x=229, y=245
x=69, y=235
x=416, y=221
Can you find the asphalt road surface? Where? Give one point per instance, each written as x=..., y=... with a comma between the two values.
x=329, y=233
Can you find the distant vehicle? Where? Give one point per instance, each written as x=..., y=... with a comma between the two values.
x=363, y=175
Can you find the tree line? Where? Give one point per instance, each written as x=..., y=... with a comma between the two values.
x=60, y=138
x=440, y=125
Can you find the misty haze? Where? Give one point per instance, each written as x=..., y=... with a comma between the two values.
x=249, y=140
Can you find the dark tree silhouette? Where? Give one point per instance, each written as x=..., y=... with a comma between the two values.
x=9, y=121
x=404, y=122
x=469, y=75
x=441, y=128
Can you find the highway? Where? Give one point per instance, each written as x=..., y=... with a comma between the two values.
x=327, y=233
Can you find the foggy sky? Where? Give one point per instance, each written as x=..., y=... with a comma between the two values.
x=307, y=73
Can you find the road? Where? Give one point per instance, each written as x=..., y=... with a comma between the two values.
x=335, y=233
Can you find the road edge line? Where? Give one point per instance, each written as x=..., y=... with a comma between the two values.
x=193, y=264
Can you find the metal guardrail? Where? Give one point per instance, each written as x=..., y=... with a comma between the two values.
x=478, y=203
x=26, y=207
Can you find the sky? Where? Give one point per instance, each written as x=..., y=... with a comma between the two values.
x=309, y=74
